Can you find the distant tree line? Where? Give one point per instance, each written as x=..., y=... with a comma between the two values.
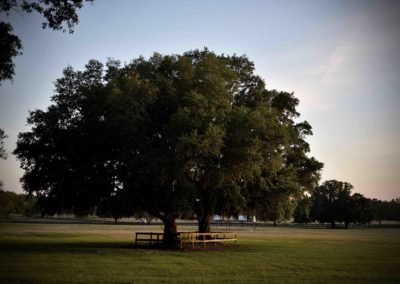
x=344, y=208
x=333, y=202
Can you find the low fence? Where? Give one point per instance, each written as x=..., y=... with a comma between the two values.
x=193, y=238
x=148, y=237
x=187, y=238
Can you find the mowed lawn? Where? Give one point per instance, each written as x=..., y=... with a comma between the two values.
x=38, y=253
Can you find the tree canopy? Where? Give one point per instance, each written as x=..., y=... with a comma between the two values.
x=58, y=15
x=331, y=202
x=175, y=136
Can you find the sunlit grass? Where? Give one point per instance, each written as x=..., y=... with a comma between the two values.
x=35, y=253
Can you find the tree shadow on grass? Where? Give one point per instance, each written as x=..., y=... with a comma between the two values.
x=95, y=247
x=43, y=247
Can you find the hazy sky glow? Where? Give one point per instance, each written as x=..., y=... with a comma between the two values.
x=340, y=58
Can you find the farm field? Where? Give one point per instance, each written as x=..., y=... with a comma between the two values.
x=76, y=253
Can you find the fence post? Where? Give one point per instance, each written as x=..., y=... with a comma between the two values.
x=135, y=239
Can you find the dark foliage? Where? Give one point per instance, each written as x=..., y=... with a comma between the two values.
x=385, y=210
x=10, y=46
x=57, y=14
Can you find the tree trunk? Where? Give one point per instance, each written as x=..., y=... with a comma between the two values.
x=205, y=208
x=170, y=237
x=346, y=225
x=333, y=224
x=205, y=224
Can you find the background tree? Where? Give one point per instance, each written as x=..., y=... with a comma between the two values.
x=13, y=203
x=331, y=202
x=385, y=210
x=58, y=15
x=7, y=203
x=30, y=207
x=361, y=209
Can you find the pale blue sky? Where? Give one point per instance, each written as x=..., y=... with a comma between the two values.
x=340, y=58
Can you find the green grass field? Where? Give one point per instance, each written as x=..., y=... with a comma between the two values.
x=38, y=253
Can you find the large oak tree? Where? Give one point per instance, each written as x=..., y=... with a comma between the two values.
x=174, y=136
